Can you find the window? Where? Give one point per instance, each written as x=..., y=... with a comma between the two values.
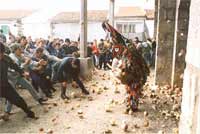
x=119, y=28
x=132, y=28
x=125, y=28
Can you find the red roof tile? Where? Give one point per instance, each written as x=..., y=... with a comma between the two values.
x=130, y=12
x=93, y=15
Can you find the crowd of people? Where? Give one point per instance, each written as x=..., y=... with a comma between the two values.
x=102, y=52
x=36, y=65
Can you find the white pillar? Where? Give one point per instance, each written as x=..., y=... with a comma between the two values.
x=112, y=12
x=190, y=107
x=83, y=33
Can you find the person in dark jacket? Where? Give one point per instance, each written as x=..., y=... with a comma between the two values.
x=73, y=47
x=65, y=50
x=108, y=59
x=6, y=90
x=41, y=75
x=89, y=49
x=65, y=71
x=102, y=50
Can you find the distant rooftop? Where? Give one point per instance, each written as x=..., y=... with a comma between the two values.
x=130, y=12
x=93, y=15
x=134, y=12
x=101, y=15
x=14, y=14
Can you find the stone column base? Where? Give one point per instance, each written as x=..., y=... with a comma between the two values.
x=86, y=67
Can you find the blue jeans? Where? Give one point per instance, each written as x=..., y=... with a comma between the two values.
x=25, y=85
x=8, y=107
x=147, y=58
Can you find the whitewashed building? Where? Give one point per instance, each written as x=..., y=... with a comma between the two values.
x=150, y=21
x=67, y=25
x=135, y=22
x=38, y=24
x=130, y=21
x=11, y=20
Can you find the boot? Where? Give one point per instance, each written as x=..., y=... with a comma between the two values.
x=63, y=95
x=30, y=114
x=53, y=89
x=49, y=95
x=86, y=92
x=41, y=101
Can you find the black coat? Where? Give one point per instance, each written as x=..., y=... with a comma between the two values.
x=6, y=63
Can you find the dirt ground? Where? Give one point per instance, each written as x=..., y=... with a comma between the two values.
x=103, y=111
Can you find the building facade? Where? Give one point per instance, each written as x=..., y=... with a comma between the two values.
x=11, y=20
x=67, y=25
x=135, y=22
x=130, y=21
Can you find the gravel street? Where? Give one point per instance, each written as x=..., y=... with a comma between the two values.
x=103, y=111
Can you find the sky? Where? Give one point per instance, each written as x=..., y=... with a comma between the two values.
x=46, y=9
x=70, y=5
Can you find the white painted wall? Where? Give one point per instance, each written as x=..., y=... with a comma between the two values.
x=150, y=26
x=190, y=107
x=66, y=30
x=95, y=31
x=139, y=26
x=37, y=30
x=37, y=24
x=139, y=23
x=72, y=30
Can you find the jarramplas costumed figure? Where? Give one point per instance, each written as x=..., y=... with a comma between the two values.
x=134, y=70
